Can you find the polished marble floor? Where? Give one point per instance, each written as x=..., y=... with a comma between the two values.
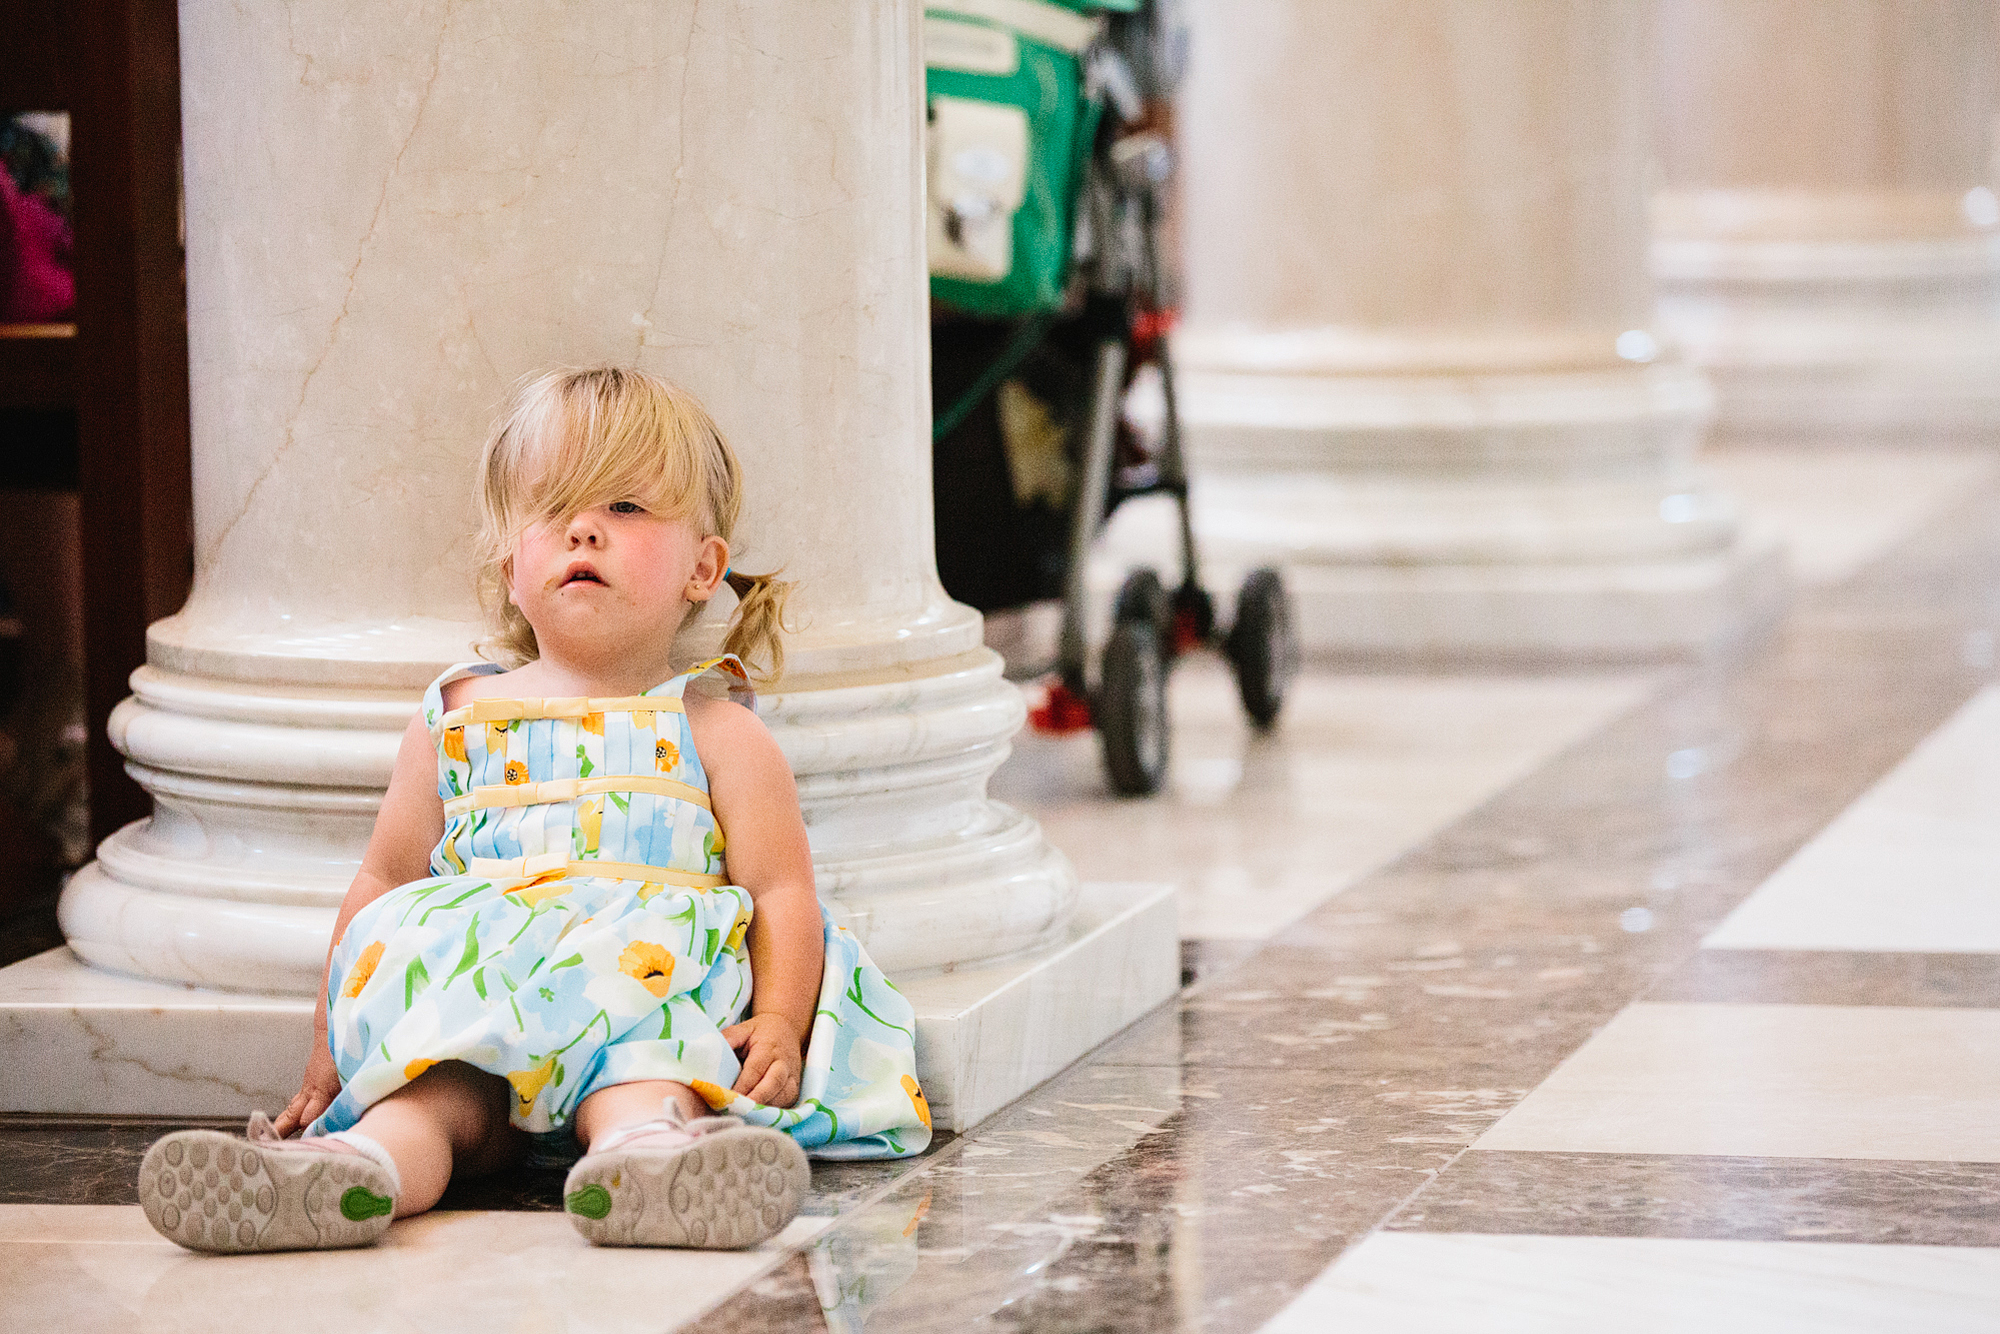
x=1651, y=999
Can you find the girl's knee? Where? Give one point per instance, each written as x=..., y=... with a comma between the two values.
x=470, y=1104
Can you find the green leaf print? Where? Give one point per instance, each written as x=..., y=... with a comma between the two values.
x=854, y=994
x=415, y=977
x=815, y=1102
x=416, y=899
x=570, y=962
x=479, y=982
x=546, y=993
x=451, y=779
x=829, y=1014
x=618, y=801
x=714, y=939
x=583, y=764
x=667, y=1021
x=511, y=984
x=446, y=907
x=470, y=958
x=890, y=1137
x=519, y=1022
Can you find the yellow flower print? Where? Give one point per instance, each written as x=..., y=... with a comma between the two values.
x=643, y=718
x=453, y=745
x=714, y=1095
x=738, y=931
x=590, y=819
x=496, y=738
x=652, y=965
x=666, y=755
x=548, y=885
x=918, y=1101
x=528, y=1084
x=593, y=723
x=648, y=889
x=364, y=968
x=417, y=1067
x=516, y=773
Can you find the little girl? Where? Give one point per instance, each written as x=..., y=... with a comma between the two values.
x=547, y=946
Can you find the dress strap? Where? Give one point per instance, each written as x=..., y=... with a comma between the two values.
x=434, y=692
x=726, y=670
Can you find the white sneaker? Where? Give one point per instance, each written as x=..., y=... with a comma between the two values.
x=209, y=1191
x=714, y=1183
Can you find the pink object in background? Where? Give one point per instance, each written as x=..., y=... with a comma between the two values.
x=36, y=286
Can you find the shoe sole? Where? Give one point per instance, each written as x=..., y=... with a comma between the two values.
x=209, y=1191
x=728, y=1189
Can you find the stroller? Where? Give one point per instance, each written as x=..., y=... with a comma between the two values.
x=1047, y=300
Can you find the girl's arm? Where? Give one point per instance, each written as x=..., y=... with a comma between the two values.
x=409, y=826
x=757, y=807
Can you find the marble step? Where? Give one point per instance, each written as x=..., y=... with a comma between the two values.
x=77, y=1040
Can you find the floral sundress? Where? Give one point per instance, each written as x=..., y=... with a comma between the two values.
x=579, y=930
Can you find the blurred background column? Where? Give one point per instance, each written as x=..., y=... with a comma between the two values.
x=1418, y=368
x=726, y=193
x=1827, y=244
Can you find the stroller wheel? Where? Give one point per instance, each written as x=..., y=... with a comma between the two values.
x=1143, y=597
x=1262, y=646
x=1132, y=709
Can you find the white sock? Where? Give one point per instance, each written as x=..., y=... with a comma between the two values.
x=373, y=1150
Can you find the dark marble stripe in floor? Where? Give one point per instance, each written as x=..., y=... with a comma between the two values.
x=1835, y=977
x=1735, y=1199
x=95, y=1160
x=1313, y=1088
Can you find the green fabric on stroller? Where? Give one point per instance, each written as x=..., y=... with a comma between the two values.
x=1011, y=125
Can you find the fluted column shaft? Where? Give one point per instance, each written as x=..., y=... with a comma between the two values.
x=395, y=211
x=1417, y=360
x=1828, y=235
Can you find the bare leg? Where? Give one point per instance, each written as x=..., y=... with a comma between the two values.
x=450, y=1116
x=629, y=1104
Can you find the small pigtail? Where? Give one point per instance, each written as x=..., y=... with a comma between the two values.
x=757, y=626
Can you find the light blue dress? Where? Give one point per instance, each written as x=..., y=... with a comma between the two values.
x=579, y=930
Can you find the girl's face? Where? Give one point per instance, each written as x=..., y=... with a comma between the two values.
x=614, y=581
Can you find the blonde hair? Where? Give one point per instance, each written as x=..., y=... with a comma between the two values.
x=570, y=440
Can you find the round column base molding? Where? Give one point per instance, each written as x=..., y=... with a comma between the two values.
x=264, y=799
x=1620, y=420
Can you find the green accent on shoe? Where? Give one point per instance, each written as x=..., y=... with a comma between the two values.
x=593, y=1201
x=359, y=1203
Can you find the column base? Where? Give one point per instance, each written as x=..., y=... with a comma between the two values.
x=76, y=1040
x=1868, y=315
x=1502, y=613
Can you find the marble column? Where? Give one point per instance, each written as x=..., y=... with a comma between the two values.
x=1828, y=242
x=1417, y=368
x=395, y=211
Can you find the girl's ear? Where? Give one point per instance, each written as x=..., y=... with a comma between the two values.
x=710, y=564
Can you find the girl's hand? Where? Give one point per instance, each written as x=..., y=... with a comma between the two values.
x=770, y=1048
x=320, y=1087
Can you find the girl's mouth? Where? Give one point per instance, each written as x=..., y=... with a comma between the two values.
x=582, y=574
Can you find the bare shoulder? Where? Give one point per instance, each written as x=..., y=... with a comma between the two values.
x=729, y=737
x=519, y=682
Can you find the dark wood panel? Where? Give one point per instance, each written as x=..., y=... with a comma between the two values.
x=32, y=68
x=132, y=334
x=37, y=365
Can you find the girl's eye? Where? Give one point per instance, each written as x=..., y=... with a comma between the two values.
x=627, y=507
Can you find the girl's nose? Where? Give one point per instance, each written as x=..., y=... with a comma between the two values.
x=584, y=531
